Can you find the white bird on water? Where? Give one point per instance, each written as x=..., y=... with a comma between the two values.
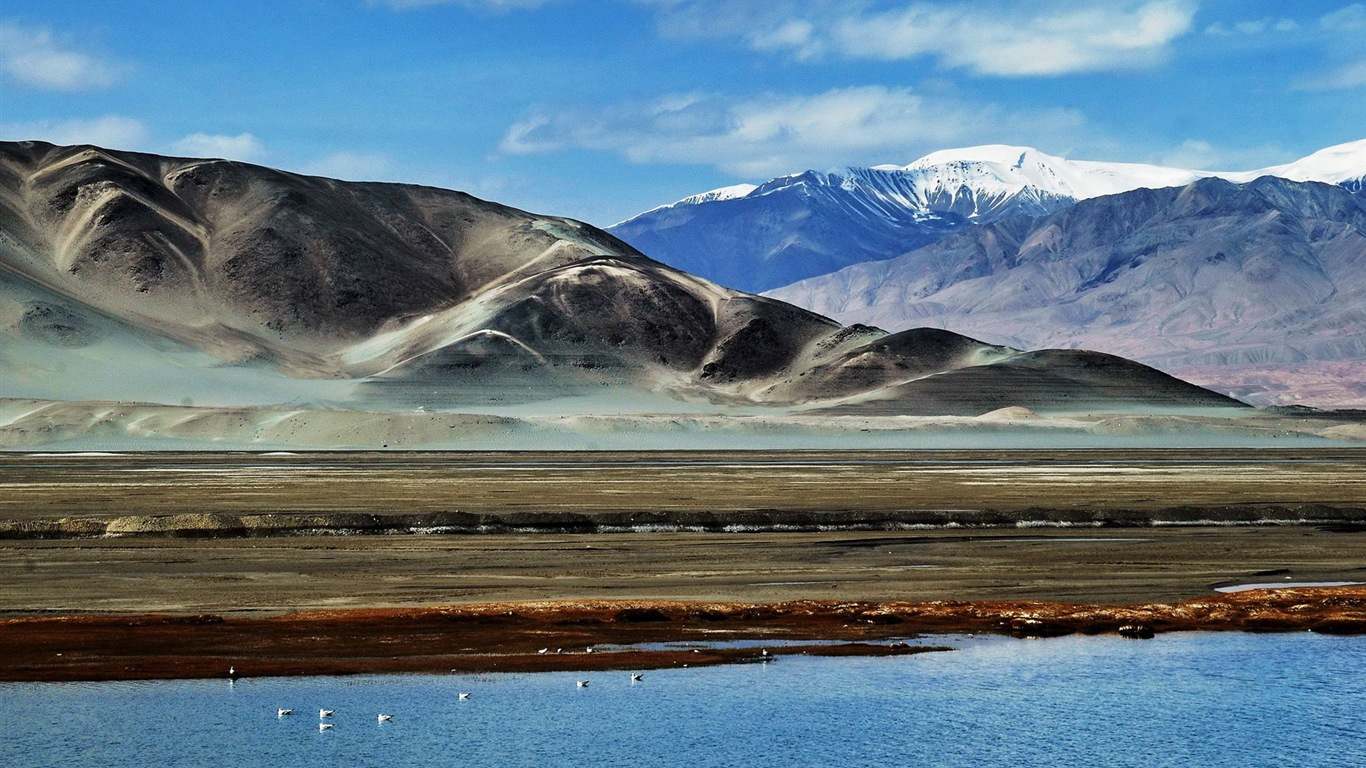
x=325, y=726
x=282, y=712
x=383, y=718
x=325, y=712
x=635, y=678
x=463, y=696
x=582, y=683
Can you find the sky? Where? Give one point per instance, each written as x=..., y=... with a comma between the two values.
x=600, y=109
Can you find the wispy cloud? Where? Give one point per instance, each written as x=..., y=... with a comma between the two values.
x=772, y=134
x=1345, y=76
x=111, y=131
x=1351, y=18
x=1043, y=38
x=1204, y=156
x=1072, y=38
x=244, y=147
x=1348, y=21
x=1252, y=27
x=32, y=57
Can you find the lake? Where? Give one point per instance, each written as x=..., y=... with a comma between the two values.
x=1197, y=699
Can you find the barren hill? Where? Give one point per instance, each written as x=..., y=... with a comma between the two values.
x=134, y=277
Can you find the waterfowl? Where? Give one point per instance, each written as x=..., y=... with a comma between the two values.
x=282, y=712
x=325, y=726
x=325, y=712
x=383, y=718
x=463, y=696
x=582, y=683
x=637, y=677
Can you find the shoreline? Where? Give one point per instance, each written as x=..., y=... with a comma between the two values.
x=509, y=636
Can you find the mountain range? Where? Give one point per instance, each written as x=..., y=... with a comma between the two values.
x=135, y=277
x=1212, y=275
x=757, y=238
x=1246, y=282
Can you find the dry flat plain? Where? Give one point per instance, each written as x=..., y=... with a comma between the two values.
x=182, y=565
x=256, y=534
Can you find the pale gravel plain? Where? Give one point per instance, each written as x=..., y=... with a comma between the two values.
x=254, y=534
x=275, y=575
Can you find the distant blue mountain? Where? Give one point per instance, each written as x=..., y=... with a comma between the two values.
x=756, y=238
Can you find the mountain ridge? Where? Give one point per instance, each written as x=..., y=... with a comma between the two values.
x=1213, y=274
x=814, y=222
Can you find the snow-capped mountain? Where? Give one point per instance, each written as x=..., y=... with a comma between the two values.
x=1001, y=171
x=1256, y=288
x=756, y=238
x=1343, y=164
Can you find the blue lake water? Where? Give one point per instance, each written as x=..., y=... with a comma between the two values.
x=1199, y=699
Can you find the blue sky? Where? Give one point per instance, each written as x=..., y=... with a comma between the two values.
x=600, y=109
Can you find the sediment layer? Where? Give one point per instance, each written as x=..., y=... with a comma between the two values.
x=511, y=636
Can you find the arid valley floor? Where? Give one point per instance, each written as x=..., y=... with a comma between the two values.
x=426, y=561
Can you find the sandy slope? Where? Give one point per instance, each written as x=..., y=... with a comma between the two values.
x=34, y=424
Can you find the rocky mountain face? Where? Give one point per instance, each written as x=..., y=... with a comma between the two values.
x=812, y=223
x=127, y=276
x=797, y=227
x=1214, y=277
x=808, y=224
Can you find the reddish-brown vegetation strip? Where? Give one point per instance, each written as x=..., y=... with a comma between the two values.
x=509, y=636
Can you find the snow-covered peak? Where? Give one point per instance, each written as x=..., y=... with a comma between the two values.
x=1332, y=165
x=995, y=174
x=1082, y=179
x=1001, y=154
x=1020, y=167
x=724, y=193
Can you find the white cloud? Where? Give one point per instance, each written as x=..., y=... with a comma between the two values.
x=773, y=134
x=352, y=166
x=1072, y=38
x=109, y=131
x=993, y=37
x=1347, y=76
x=244, y=147
x=798, y=36
x=1200, y=155
x=1252, y=27
x=1351, y=18
x=31, y=57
